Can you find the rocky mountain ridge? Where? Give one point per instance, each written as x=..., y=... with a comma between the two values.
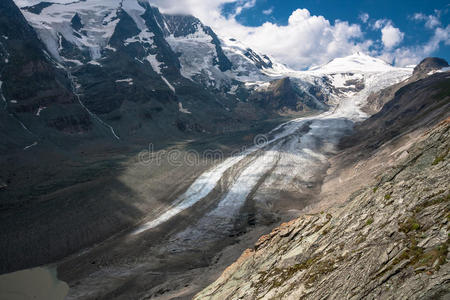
x=130, y=69
x=395, y=247
x=30, y=83
x=430, y=64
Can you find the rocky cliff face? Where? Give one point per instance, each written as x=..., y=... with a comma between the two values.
x=426, y=67
x=418, y=104
x=132, y=68
x=125, y=71
x=430, y=64
x=36, y=96
x=283, y=96
x=388, y=239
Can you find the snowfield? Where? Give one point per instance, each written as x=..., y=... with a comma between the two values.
x=54, y=22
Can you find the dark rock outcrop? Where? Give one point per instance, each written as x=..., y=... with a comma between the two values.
x=260, y=62
x=34, y=90
x=283, y=96
x=377, y=100
x=430, y=64
x=36, y=9
x=76, y=22
x=421, y=103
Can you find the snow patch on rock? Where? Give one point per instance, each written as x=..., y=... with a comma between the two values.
x=171, y=87
x=30, y=146
x=40, y=109
x=156, y=65
x=145, y=36
x=182, y=109
x=126, y=80
x=95, y=63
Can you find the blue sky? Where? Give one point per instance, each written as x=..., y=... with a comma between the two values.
x=402, y=14
x=310, y=32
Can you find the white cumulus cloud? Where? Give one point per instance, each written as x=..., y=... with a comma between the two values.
x=412, y=55
x=431, y=21
x=380, y=23
x=391, y=36
x=306, y=40
x=268, y=11
x=364, y=17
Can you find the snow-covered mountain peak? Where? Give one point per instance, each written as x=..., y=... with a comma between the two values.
x=357, y=62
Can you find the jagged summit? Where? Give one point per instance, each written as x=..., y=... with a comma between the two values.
x=430, y=64
x=357, y=62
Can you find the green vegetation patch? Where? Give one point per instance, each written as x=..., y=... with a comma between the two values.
x=361, y=239
x=410, y=224
x=433, y=202
x=435, y=257
x=314, y=266
x=440, y=158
